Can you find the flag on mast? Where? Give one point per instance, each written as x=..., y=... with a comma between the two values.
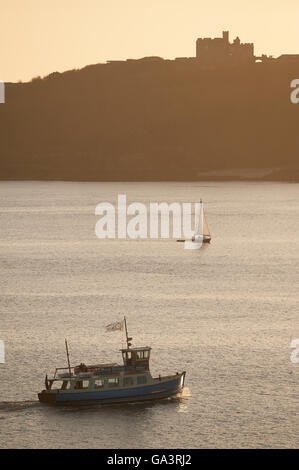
x=116, y=326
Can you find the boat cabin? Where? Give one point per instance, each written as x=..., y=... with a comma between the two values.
x=138, y=358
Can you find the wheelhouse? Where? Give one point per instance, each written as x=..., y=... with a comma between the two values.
x=137, y=358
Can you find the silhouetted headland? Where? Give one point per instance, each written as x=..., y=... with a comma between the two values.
x=224, y=114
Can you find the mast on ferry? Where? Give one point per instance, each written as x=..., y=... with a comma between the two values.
x=128, y=339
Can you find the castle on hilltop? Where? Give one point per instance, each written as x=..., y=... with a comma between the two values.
x=220, y=50
x=211, y=52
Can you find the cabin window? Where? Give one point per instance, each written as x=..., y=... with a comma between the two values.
x=128, y=381
x=57, y=385
x=81, y=384
x=98, y=383
x=141, y=379
x=142, y=354
x=66, y=385
x=127, y=357
x=113, y=382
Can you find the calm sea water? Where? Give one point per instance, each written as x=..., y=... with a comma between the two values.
x=226, y=314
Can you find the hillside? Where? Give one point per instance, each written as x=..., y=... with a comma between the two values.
x=152, y=120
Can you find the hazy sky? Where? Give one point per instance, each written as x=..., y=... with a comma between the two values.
x=38, y=37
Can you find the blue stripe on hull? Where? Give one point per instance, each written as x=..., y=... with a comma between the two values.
x=150, y=392
x=116, y=400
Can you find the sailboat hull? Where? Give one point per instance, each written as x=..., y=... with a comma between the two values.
x=206, y=239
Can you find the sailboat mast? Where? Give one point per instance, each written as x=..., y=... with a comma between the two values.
x=126, y=329
x=68, y=356
x=200, y=223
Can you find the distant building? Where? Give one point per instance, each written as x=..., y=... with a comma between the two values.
x=220, y=50
x=212, y=52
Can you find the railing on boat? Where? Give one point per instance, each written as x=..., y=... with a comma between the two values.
x=64, y=368
x=97, y=371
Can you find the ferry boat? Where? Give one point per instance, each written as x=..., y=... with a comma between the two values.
x=111, y=383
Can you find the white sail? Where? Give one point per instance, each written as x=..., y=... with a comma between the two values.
x=206, y=230
x=199, y=221
x=197, y=217
x=197, y=239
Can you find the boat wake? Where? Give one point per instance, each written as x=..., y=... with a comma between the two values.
x=17, y=405
x=185, y=393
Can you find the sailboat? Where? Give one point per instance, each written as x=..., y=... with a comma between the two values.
x=201, y=233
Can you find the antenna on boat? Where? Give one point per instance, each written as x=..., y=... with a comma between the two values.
x=127, y=337
x=68, y=356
